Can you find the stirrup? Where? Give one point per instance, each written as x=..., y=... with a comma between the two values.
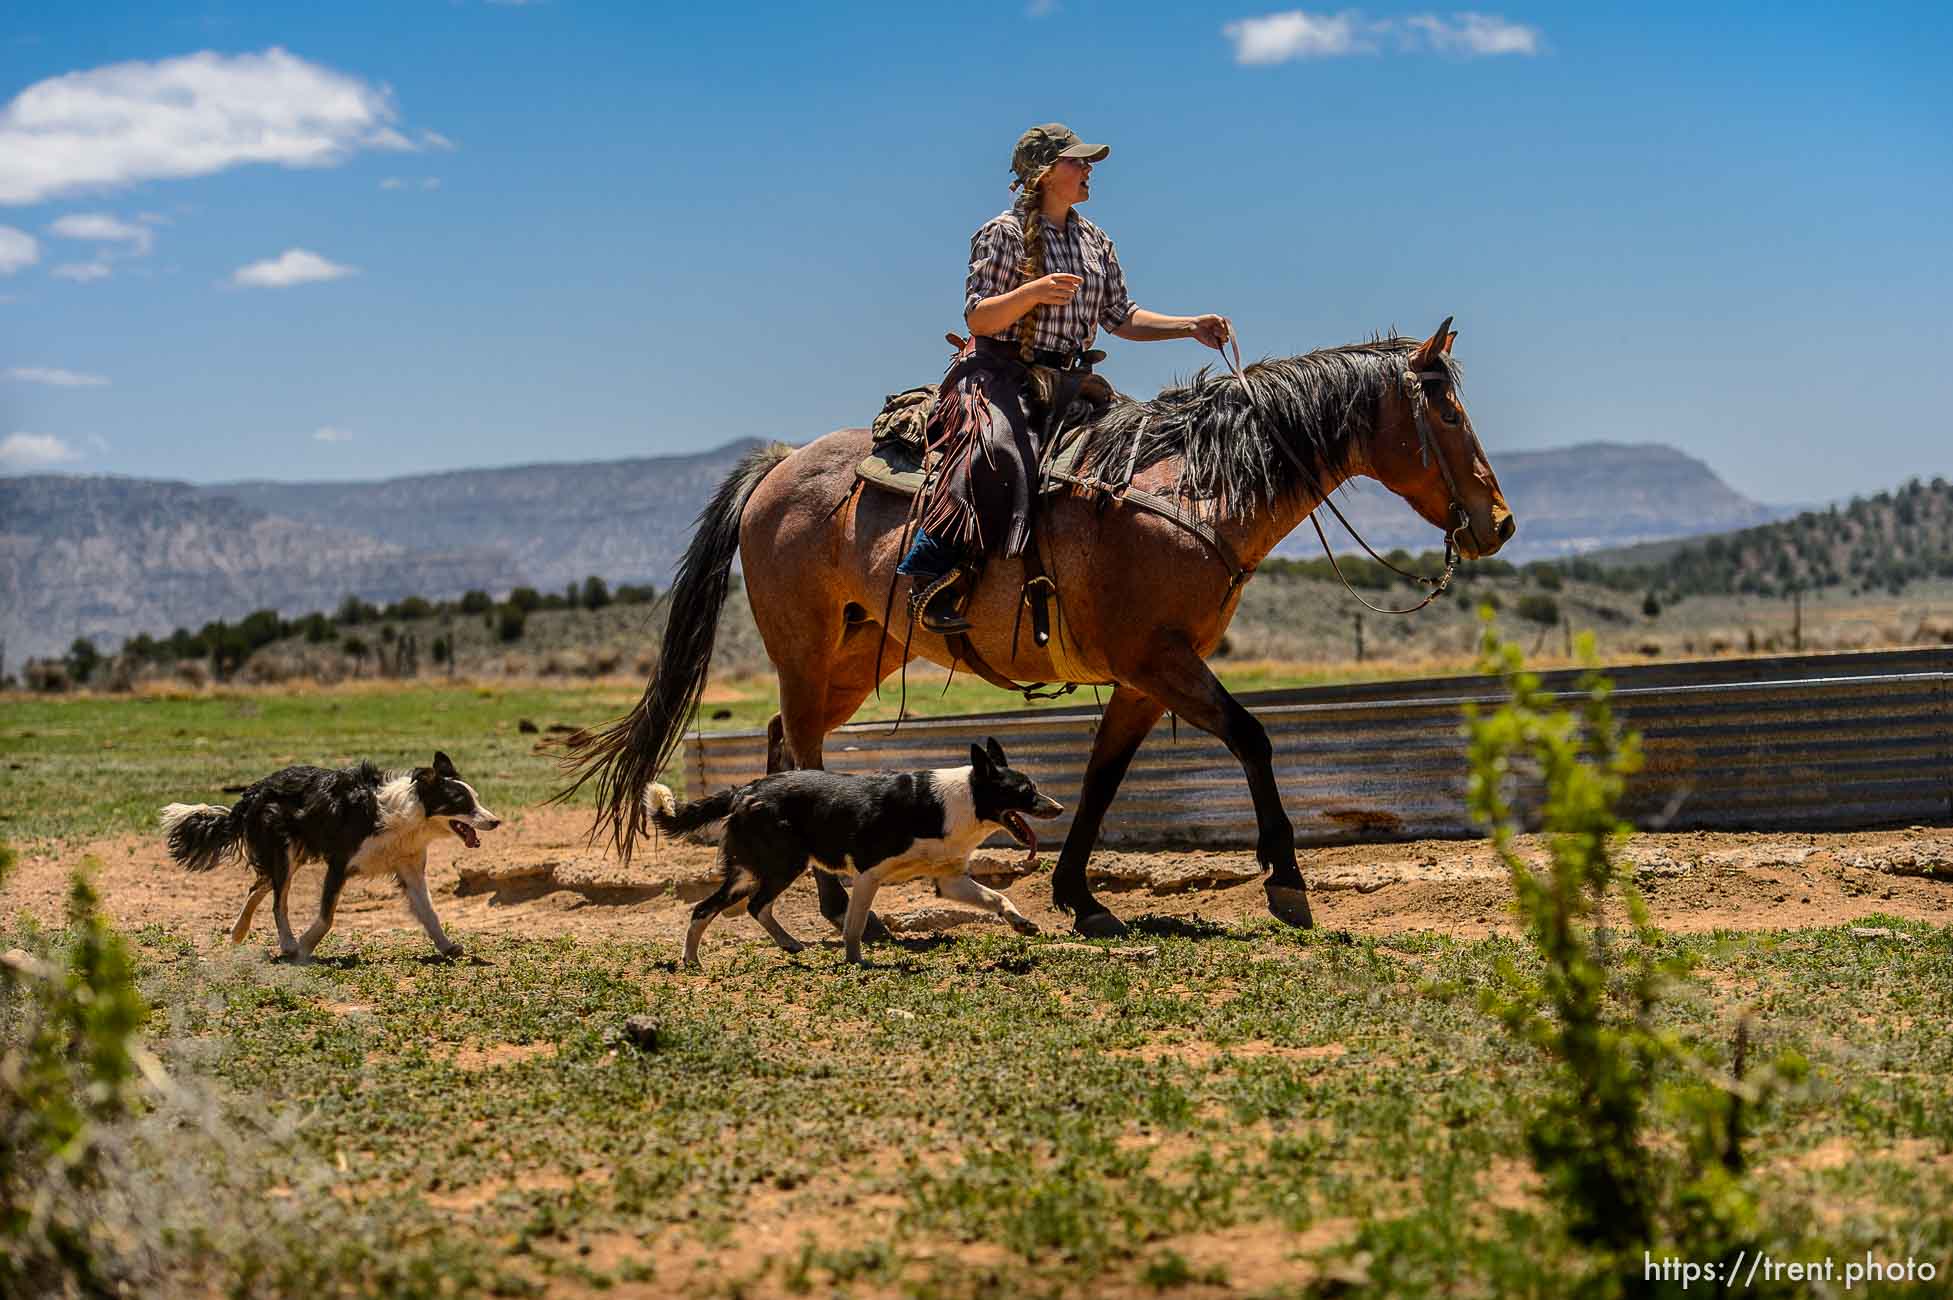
x=947, y=620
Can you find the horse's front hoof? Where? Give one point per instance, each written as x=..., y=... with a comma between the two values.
x=1290, y=906
x=1021, y=923
x=1100, y=925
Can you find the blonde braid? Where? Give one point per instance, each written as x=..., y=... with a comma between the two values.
x=1031, y=217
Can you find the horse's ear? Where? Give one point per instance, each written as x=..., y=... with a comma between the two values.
x=1449, y=339
x=1434, y=347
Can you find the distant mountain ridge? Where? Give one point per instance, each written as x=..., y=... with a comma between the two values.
x=1568, y=500
x=107, y=558
x=624, y=520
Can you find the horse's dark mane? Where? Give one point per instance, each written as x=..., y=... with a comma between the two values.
x=1321, y=401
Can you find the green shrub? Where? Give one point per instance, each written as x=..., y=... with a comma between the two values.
x=512, y=622
x=1590, y=1006
x=82, y=660
x=353, y=611
x=68, y=1070
x=1538, y=608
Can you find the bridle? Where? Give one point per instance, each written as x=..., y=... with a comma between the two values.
x=1413, y=382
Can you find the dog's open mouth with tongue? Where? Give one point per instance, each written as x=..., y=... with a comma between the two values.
x=466, y=832
x=1020, y=829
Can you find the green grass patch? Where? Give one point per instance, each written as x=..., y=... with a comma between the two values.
x=87, y=765
x=1060, y=1121
x=93, y=765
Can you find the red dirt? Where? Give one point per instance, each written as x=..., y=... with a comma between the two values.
x=536, y=876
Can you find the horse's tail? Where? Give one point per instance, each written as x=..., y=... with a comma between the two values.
x=626, y=756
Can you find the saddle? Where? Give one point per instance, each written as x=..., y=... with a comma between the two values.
x=899, y=461
x=898, y=457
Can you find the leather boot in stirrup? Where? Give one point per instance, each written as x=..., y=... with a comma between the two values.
x=939, y=606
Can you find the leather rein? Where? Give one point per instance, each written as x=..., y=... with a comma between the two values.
x=1428, y=451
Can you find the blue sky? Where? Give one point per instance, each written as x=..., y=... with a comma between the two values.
x=358, y=240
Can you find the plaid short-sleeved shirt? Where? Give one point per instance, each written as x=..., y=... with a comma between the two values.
x=1079, y=248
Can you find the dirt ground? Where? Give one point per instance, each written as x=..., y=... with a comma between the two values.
x=537, y=877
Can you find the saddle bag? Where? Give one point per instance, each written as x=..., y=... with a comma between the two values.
x=905, y=418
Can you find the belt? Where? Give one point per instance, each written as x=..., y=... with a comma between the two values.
x=1007, y=349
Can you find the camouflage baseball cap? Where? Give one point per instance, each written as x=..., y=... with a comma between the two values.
x=1041, y=146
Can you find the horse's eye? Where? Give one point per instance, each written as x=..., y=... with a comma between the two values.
x=1448, y=416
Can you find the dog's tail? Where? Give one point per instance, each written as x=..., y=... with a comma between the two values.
x=201, y=835
x=673, y=818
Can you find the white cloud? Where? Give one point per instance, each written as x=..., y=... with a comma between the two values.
x=1041, y=8
x=1298, y=34
x=293, y=266
x=103, y=227
x=1472, y=34
x=1278, y=38
x=124, y=123
x=330, y=434
x=435, y=140
x=401, y=183
x=393, y=183
x=17, y=249
x=58, y=378
x=34, y=451
x=81, y=272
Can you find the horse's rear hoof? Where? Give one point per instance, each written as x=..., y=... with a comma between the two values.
x=1290, y=906
x=1100, y=925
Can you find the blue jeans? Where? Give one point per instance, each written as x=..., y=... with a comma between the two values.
x=928, y=559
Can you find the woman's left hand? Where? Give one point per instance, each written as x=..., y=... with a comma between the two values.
x=1212, y=330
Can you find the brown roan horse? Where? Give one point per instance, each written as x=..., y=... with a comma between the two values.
x=1143, y=598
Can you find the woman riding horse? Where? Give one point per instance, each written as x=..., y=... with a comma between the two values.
x=1042, y=281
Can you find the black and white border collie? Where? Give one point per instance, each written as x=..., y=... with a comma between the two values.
x=358, y=821
x=875, y=830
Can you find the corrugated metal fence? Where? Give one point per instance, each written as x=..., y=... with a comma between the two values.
x=1816, y=741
